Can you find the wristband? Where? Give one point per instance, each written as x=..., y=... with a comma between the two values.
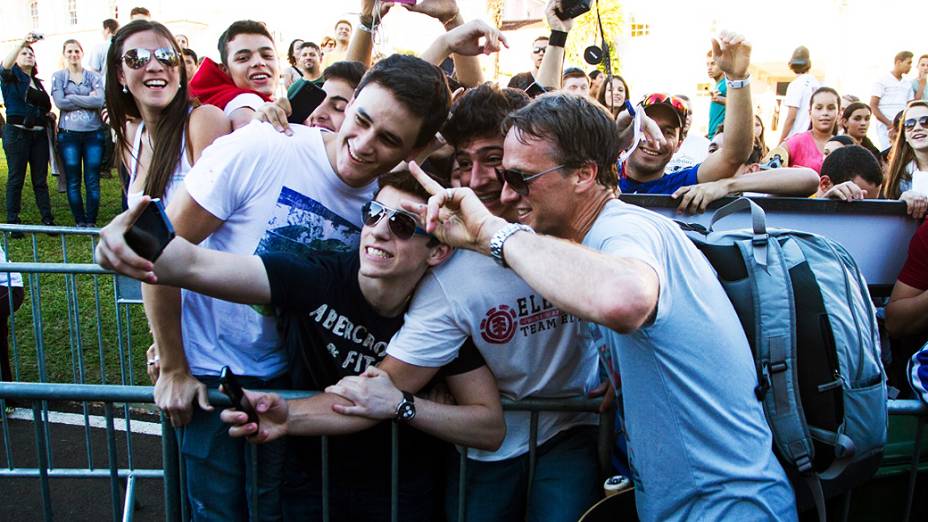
x=738, y=84
x=630, y=108
x=365, y=28
x=448, y=21
x=558, y=38
x=499, y=239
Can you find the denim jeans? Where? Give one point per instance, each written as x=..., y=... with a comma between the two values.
x=26, y=148
x=219, y=468
x=567, y=482
x=77, y=148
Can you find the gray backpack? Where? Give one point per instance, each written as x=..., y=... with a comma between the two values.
x=808, y=316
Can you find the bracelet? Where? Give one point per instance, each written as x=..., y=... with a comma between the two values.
x=558, y=38
x=366, y=29
x=448, y=21
x=738, y=84
x=630, y=108
x=499, y=239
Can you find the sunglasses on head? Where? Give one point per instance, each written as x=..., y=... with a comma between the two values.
x=660, y=98
x=138, y=58
x=518, y=180
x=402, y=225
x=909, y=123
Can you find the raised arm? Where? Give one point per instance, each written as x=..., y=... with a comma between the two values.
x=361, y=45
x=232, y=277
x=552, y=65
x=10, y=58
x=467, y=67
x=464, y=40
x=733, y=55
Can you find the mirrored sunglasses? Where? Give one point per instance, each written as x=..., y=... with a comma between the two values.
x=401, y=224
x=138, y=58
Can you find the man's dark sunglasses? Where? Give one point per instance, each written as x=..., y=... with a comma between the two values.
x=909, y=123
x=402, y=225
x=518, y=180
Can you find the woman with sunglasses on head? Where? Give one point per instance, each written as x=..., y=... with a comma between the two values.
x=160, y=132
x=25, y=134
x=909, y=154
x=855, y=121
x=613, y=94
x=807, y=149
x=78, y=94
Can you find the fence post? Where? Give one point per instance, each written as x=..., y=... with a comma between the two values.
x=171, y=464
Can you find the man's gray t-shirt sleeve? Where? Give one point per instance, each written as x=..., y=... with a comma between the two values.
x=639, y=239
x=431, y=334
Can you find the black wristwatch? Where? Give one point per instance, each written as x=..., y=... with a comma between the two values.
x=406, y=410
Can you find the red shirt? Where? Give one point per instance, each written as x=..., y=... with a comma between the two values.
x=915, y=270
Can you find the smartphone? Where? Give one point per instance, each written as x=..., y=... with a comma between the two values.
x=570, y=9
x=304, y=102
x=534, y=90
x=151, y=232
x=233, y=390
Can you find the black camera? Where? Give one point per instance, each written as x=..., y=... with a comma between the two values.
x=570, y=9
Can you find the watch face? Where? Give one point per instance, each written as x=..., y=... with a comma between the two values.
x=407, y=411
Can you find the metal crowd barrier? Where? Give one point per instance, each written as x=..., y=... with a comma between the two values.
x=117, y=378
x=122, y=505
x=72, y=317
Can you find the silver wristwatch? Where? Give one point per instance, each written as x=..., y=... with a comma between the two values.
x=499, y=238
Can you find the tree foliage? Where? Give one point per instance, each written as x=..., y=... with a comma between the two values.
x=586, y=33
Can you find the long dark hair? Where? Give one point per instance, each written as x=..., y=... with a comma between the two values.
x=602, y=94
x=167, y=136
x=899, y=157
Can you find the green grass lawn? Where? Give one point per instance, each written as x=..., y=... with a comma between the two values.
x=58, y=311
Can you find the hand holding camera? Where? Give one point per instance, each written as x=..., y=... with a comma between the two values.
x=34, y=37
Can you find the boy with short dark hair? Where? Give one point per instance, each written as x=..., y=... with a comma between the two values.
x=247, y=76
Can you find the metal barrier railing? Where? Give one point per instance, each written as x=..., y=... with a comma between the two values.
x=69, y=265
x=122, y=506
x=77, y=334
x=74, y=325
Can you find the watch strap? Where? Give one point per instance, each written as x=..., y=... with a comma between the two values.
x=499, y=239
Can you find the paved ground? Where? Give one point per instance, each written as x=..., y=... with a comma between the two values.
x=83, y=499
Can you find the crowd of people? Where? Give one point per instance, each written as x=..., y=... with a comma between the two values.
x=424, y=243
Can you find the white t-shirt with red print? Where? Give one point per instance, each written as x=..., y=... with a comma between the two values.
x=533, y=348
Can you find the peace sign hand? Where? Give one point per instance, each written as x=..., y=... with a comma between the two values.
x=456, y=216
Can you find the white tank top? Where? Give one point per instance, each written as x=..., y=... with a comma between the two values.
x=176, y=177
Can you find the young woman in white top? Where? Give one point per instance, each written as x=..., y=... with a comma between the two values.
x=159, y=131
x=909, y=154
